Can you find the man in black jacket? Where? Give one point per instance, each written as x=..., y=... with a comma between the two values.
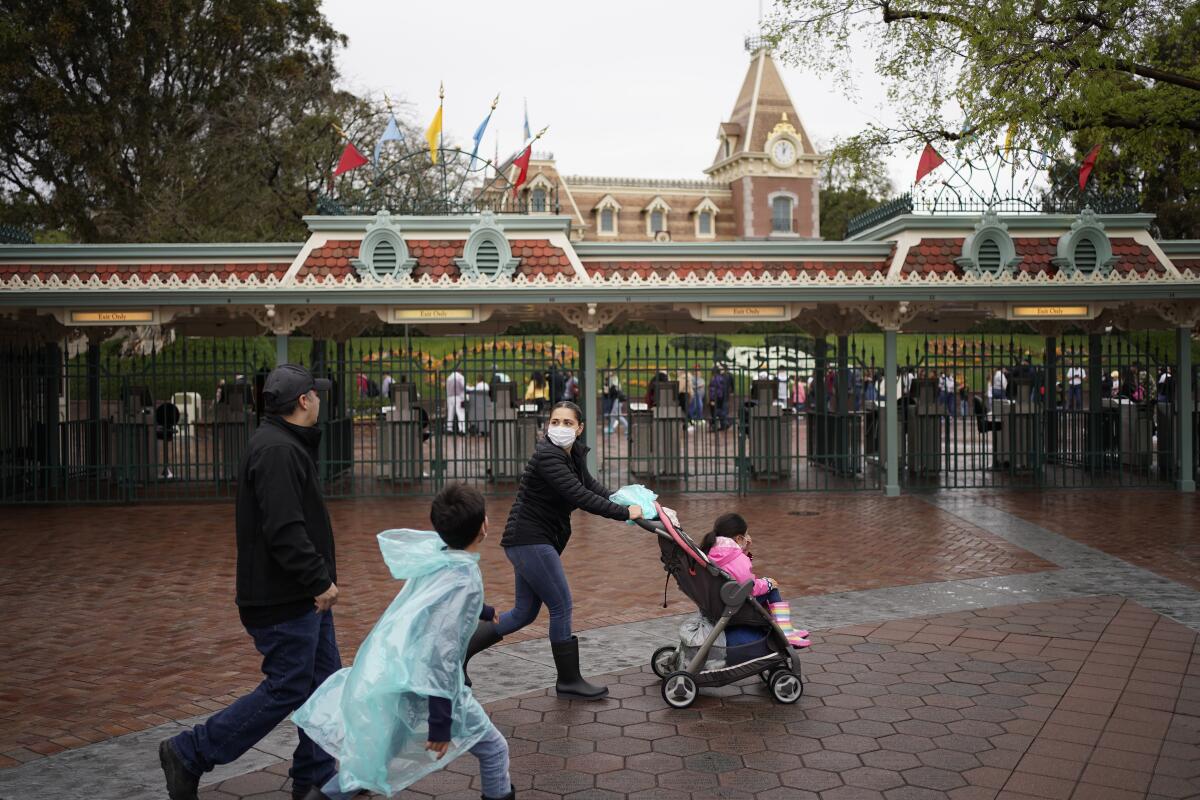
x=286, y=588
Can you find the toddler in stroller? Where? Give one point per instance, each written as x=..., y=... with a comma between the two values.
x=727, y=604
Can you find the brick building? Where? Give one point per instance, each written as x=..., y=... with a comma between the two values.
x=762, y=182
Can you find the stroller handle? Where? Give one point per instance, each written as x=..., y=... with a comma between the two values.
x=652, y=525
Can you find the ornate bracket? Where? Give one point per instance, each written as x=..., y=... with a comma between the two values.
x=589, y=319
x=1178, y=313
x=279, y=320
x=890, y=316
x=338, y=325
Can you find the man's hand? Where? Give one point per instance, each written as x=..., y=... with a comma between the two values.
x=496, y=617
x=326, y=599
x=438, y=747
x=635, y=512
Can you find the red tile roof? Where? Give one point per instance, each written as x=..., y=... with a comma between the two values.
x=719, y=269
x=1181, y=263
x=937, y=256
x=144, y=271
x=436, y=258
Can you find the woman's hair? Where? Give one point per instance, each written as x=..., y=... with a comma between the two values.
x=538, y=380
x=568, y=404
x=728, y=525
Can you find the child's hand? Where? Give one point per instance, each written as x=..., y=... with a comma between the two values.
x=438, y=747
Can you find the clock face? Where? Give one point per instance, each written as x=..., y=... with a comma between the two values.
x=784, y=152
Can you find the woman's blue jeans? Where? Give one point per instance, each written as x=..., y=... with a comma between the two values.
x=539, y=579
x=492, y=752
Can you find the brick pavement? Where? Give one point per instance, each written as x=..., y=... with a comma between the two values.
x=1088, y=699
x=120, y=619
x=1151, y=529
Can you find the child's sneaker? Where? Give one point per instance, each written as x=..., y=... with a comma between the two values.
x=782, y=614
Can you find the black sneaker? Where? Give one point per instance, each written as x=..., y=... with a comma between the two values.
x=181, y=783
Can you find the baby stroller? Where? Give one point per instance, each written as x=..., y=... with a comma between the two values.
x=722, y=601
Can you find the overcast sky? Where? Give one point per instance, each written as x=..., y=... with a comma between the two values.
x=628, y=87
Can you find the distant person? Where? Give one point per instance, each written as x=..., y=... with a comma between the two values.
x=1075, y=378
x=538, y=392
x=456, y=394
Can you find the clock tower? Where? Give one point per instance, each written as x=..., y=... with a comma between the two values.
x=767, y=159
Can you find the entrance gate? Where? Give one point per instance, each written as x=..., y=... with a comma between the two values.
x=739, y=414
x=1011, y=411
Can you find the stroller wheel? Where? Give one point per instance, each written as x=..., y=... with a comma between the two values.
x=663, y=661
x=786, y=686
x=679, y=689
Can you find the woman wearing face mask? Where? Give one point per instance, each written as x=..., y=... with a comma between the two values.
x=556, y=481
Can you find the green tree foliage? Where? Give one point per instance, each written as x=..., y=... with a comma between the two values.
x=853, y=181
x=189, y=120
x=1126, y=72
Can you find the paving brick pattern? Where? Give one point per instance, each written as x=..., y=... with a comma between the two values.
x=1155, y=530
x=1090, y=698
x=120, y=619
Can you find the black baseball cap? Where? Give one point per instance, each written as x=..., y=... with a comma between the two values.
x=288, y=381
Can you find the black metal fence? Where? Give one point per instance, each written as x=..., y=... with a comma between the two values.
x=775, y=413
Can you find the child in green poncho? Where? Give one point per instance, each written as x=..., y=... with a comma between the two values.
x=403, y=711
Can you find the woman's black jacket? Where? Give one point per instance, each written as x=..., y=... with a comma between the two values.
x=554, y=484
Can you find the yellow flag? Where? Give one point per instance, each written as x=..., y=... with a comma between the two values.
x=1008, y=137
x=433, y=134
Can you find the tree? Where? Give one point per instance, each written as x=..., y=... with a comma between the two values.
x=1118, y=70
x=853, y=181
x=130, y=120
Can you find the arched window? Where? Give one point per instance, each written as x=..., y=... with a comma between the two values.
x=781, y=215
x=538, y=200
x=657, y=222
x=607, y=221
x=704, y=223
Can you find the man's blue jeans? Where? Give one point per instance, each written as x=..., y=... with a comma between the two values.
x=298, y=655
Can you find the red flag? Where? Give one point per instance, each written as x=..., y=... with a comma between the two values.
x=1085, y=171
x=351, y=159
x=521, y=162
x=930, y=159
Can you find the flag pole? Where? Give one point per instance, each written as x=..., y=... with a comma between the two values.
x=441, y=137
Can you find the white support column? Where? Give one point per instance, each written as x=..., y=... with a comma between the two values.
x=589, y=388
x=1185, y=406
x=281, y=349
x=891, y=415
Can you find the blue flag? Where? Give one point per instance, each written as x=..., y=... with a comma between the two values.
x=478, y=137
x=390, y=134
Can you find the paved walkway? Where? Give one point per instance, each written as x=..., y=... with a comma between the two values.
x=998, y=583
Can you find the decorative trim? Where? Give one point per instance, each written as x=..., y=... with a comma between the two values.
x=988, y=229
x=589, y=318
x=1016, y=222
x=279, y=320
x=252, y=253
x=381, y=231
x=1085, y=229
x=487, y=230
x=457, y=223
x=770, y=250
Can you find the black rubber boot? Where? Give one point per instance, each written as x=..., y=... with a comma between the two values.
x=512, y=795
x=486, y=634
x=570, y=683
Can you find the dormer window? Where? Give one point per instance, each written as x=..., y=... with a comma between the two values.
x=705, y=214
x=607, y=215
x=989, y=250
x=728, y=147
x=1085, y=249
x=656, y=218
x=537, y=201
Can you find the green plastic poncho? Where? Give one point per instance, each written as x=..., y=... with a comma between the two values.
x=373, y=717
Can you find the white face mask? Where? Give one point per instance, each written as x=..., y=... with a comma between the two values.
x=560, y=435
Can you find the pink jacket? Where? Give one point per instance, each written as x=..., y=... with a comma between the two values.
x=728, y=556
